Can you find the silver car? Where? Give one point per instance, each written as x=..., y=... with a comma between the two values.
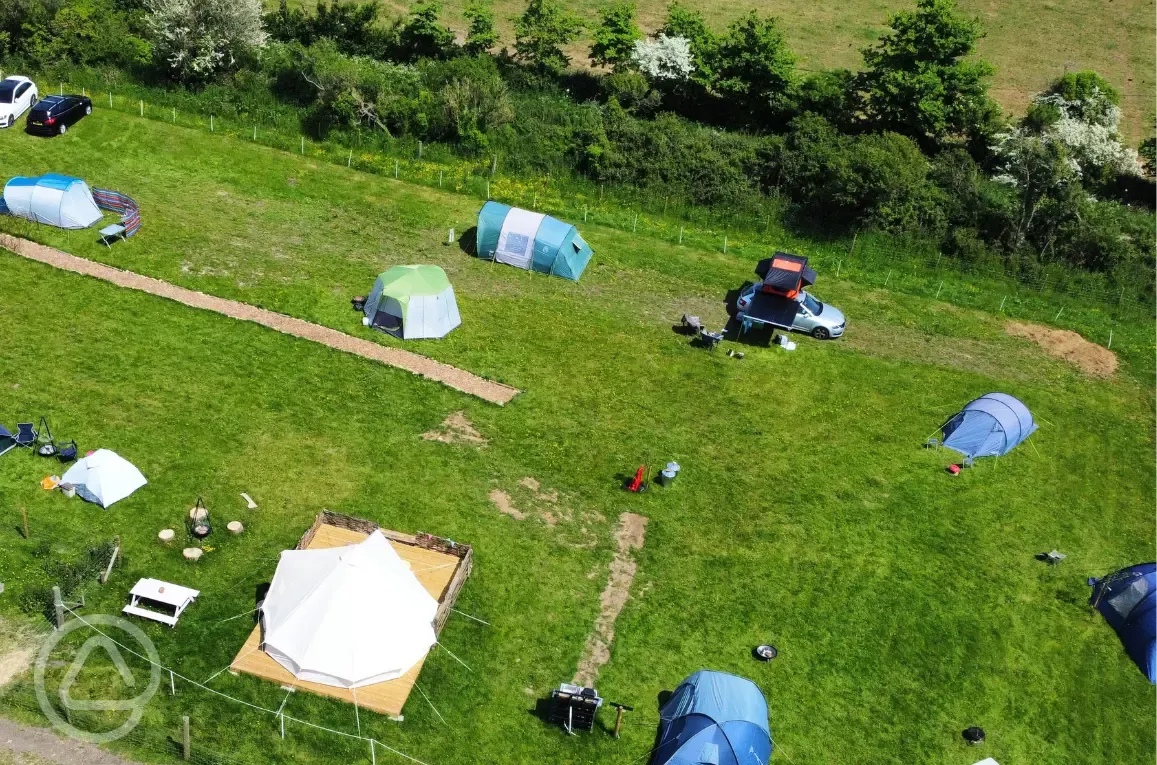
x=821, y=321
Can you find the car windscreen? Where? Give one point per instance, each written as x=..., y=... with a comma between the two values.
x=7, y=91
x=813, y=305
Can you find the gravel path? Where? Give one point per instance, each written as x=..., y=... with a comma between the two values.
x=47, y=746
x=456, y=378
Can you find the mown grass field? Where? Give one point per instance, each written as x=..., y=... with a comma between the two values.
x=906, y=605
x=1031, y=42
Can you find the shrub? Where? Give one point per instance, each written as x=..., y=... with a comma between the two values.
x=421, y=36
x=615, y=36
x=196, y=39
x=664, y=58
x=754, y=67
x=539, y=33
x=482, y=36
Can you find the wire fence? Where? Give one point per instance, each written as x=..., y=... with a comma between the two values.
x=1090, y=303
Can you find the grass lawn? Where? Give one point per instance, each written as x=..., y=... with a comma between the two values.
x=1031, y=42
x=906, y=605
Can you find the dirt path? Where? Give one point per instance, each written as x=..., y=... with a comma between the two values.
x=45, y=745
x=597, y=651
x=458, y=379
x=1092, y=359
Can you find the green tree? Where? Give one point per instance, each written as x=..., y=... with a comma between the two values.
x=482, y=36
x=1148, y=154
x=754, y=67
x=615, y=36
x=421, y=36
x=539, y=34
x=688, y=24
x=919, y=79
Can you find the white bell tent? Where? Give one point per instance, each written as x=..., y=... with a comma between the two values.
x=348, y=616
x=104, y=477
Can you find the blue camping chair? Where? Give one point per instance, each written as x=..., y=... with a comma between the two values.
x=25, y=434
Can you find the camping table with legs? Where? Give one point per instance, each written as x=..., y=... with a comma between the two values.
x=164, y=593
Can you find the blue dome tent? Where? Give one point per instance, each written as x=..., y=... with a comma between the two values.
x=531, y=240
x=1128, y=601
x=56, y=200
x=992, y=425
x=714, y=718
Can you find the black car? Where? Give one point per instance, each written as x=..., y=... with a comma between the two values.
x=53, y=114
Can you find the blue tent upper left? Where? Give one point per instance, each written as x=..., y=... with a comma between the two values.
x=1128, y=601
x=989, y=426
x=714, y=718
x=55, y=200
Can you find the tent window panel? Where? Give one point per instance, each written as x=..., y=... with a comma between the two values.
x=516, y=242
x=1124, y=602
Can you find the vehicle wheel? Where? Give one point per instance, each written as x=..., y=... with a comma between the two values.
x=87, y=110
x=63, y=129
x=821, y=333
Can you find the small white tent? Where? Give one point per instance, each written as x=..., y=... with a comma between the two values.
x=56, y=200
x=104, y=477
x=348, y=616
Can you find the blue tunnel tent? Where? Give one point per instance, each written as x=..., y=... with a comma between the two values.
x=55, y=200
x=992, y=425
x=531, y=240
x=1128, y=601
x=714, y=718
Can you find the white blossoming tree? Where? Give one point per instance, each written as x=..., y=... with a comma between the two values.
x=664, y=58
x=198, y=38
x=1081, y=113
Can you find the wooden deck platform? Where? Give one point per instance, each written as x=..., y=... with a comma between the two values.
x=441, y=573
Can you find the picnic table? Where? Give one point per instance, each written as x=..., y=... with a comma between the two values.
x=165, y=594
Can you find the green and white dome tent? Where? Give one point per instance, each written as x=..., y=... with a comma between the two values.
x=412, y=302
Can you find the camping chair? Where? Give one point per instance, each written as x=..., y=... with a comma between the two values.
x=25, y=434
x=67, y=452
x=710, y=339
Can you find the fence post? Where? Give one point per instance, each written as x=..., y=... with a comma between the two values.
x=839, y=265
x=724, y=244
x=110, y=99
x=210, y=123
x=174, y=115
x=852, y=249
x=493, y=167
x=1109, y=347
x=187, y=748
x=439, y=179
x=635, y=224
x=584, y=213
x=303, y=146
x=58, y=606
x=254, y=132
x=998, y=310
x=62, y=88
x=419, y=149
x=172, y=684
x=395, y=169
x=24, y=515
x=1059, y=313
x=487, y=191
x=142, y=107
x=680, y=235
x=888, y=278
x=940, y=288
x=450, y=239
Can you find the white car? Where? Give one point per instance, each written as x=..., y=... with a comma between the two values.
x=17, y=95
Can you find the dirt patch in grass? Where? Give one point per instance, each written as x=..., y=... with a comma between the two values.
x=597, y=651
x=1091, y=358
x=456, y=429
x=17, y=649
x=505, y=504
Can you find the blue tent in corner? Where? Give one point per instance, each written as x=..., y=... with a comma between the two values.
x=1128, y=601
x=531, y=240
x=714, y=718
x=992, y=425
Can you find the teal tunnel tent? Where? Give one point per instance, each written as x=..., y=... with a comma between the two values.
x=531, y=240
